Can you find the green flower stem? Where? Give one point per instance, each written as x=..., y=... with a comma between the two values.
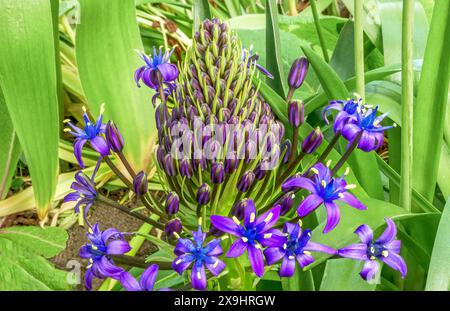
x=118, y=173
x=294, y=147
x=359, y=48
x=407, y=104
x=319, y=29
x=139, y=262
x=293, y=7
x=126, y=164
x=347, y=153
x=330, y=147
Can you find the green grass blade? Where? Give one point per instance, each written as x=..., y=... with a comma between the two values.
x=429, y=111
x=439, y=270
x=273, y=52
x=28, y=81
x=106, y=41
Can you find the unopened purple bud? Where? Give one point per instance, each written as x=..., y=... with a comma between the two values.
x=169, y=165
x=296, y=113
x=217, y=173
x=286, y=147
x=312, y=141
x=140, y=183
x=173, y=226
x=231, y=163
x=298, y=72
x=186, y=168
x=259, y=172
x=172, y=203
x=246, y=181
x=160, y=156
x=286, y=202
x=215, y=232
x=250, y=151
x=113, y=137
x=203, y=194
x=200, y=164
x=239, y=208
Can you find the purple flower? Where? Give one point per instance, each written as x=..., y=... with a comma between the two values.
x=295, y=246
x=347, y=111
x=367, y=123
x=385, y=248
x=253, y=234
x=146, y=283
x=193, y=252
x=156, y=67
x=92, y=133
x=252, y=61
x=286, y=201
x=297, y=73
x=324, y=190
x=85, y=193
x=102, y=244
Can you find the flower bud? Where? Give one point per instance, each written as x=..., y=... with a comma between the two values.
x=113, y=137
x=173, y=226
x=203, y=194
x=313, y=141
x=259, y=172
x=238, y=209
x=231, y=163
x=169, y=165
x=297, y=73
x=186, y=168
x=286, y=202
x=140, y=183
x=246, y=181
x=296, y=113
x=286, y=147
x=160, y=156
x=217, y=173
x=172, y=203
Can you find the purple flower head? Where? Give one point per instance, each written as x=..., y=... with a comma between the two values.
x=296, y=113
x=173, y=227
x=92, y=133
x=172, y=203
x=296, y=245
x=217, y=173
x=203, y=194
x=312, y=141
x=140, y=183
x=386, y=249
x=195, y=253
x=324, y=190
x=146, y=283
x=368, y=127
x=102, y=244
x=156, y=67
x=84, y=193
x=246, y=181
x=252, y=61
x=254, y=233
x=113, y=137
x=347, y=112
x=297, y=73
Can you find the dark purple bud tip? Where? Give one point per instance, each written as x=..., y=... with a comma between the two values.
x=286, y=150
x=313, y=141
x=239, y=208
x=231, y=163
x=172, y=203
x=246, y=181
x=217, y=173
x=169, y=165
x=298, y=72
x=286, y=202
x=296, y=113
x=113, y=137
x=186, y=168
x=259, y=172
x=173, y=227
x=140, y=183
x=203, y=194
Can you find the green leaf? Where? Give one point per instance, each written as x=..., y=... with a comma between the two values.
x=21, y=269
x=429, y=110
x=300, y=281
x=107, y=38
x=201, y=11
x=47, y=242
x=10, y=151
x=28, y=78
x=343, y=274
x=439, y=271
x=273, y=46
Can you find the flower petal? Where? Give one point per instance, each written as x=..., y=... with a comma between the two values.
x=394, y=246
x=287, y=268
x=129, y=282
x=198, y=277
x=216, y=266
x=396, y=262
x=255, y=256
x=78, y=149
x=237, y=248
x=107, y=269
x=270, y=218
x=389, y=233
x=181, y=263
x=88, y=276
x=369, y=269
x=148, y=278
x=169, y=72
x=100, y=145
x=351, y=200
x=273, y=254
x=117, y=247
x=249, y=210
x=276, y=239
x=225, y=224
x=213, y=248
x=183, y=246
x=316, y=247
x=365, y=234
x=309, y=204
x=367, y=142
x=304, y=260
x=333, y=216
x=298, y=182
x=354, y=251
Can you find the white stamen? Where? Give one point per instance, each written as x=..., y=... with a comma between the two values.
x=284, y=246
x=216, y=264
x=236, y=221
x=347, y=170
x=324, y=183
x=66, y=121
x=252, y=217
x=269, y=217
x=394, y=125
x=199, y=221
x=350, y=186
x=291, y=257
x=67, y=130
x=384, y=253
x=314, y=170
x=341, y=195
x=84, y=108
x=102, y=108
x=328, y=163
x=267, y=235
x=372, y=257
x=176, y=235
x=224, y=237
x=306, y=252
x=178, y=261
x=244, y=239
x=199, y=276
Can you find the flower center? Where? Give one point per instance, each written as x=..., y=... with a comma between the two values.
x=376, y=251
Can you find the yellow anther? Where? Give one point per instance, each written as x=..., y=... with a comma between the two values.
x=307, y=252
x=293, y=196
x=258, y=246
x=91, y=260
x=244, y=239
x=347, y=170
x=90, y=231
x=88, y=124
x=300, y=222
x=176, y=235
x=84, y=108
x=291, y=257
x=102, y=108
x=89, y=266
x=314, y=170
x=269, y=217
x=324, y=183
x=350, y=186
x=341, y=195
x=67, y=130
x=66, y=120
x=328, y=163
x=394, y=125
x=216, y=264
x=236, y=221
x=384, y=253
x=375, y=123
x=252, y=217
x=267, y=235
x=224, y=237
x=199, y=221
x=178, y=261
x=372, y=249
x=94, y=247
x=199, y=276
x=372, y=257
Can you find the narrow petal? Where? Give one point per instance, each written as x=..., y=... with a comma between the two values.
x=350, y=131
x=110, y=233
x=88, y=276
x=100, y=145
x=118, y=247
x=271, y=238
x=108, y=269
x=216, y=266
x=237, y=248
x=351, y=200
x=169, y=72
x=396, y=262
x=299, y=182
x=333, y=216
x=273, y=254
x=256, y=259
x=84, y=252
x=365, y=234
x=78, y=149
x=183, y=246
x=181, y=263
x=369, y=270
x=249, y=213
x=138, y=75
x=148, y=278
x=129, y=282
x=394, y=246
x=354, y=251
x=73, y=196
x=308, y=205
x=316, y=247
x=198, y=277
x=389, y=233
x=287, y=268
x=213, y=248
x=225, y=224
x=270, y=218
x=304, y=260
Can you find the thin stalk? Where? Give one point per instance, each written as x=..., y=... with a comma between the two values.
x=359, y=48
x=294, y=147
x=347, y=153
x=118, y=173
x=319, y=29
x=126, y=164
x=139, y=262
x=407, y=104
x=293, y=7
x=330, y=147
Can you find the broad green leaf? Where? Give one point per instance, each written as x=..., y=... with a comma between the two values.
x=439, y=271
x=273, y=46
x=201, y=11
x=21, y=269
x=107, y=38
x=300, y=281
x=429, y=110
x=29, y=85
x=10, y=151
x=47, y=242
x=343, y=274
x=444, y=171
